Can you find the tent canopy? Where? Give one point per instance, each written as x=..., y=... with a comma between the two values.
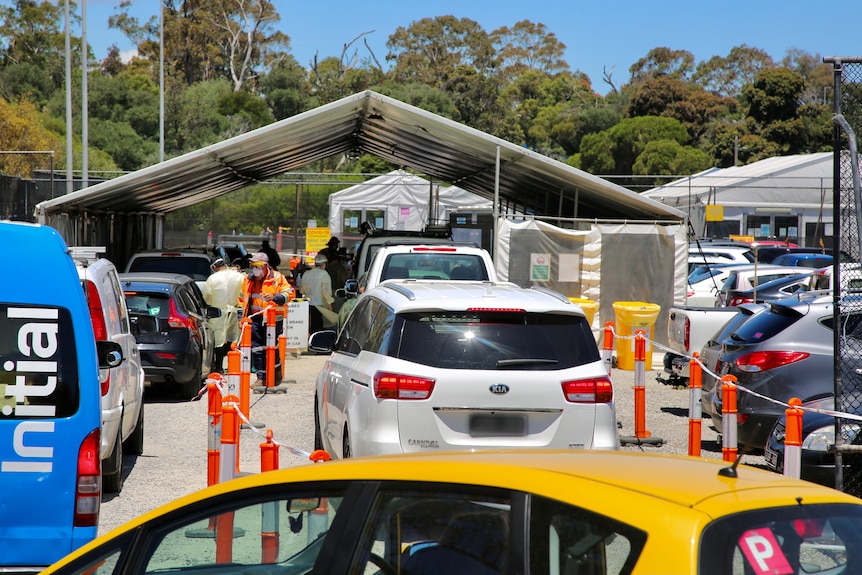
x=404, y=198
x=370, y=123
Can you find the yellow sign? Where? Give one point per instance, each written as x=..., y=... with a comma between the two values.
x=747, y=239
x=315, y=240
x=714, y=213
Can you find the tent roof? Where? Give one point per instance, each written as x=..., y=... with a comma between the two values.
x=371, y=123
x=800, y=180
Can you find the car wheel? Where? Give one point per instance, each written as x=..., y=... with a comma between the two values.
x=112, y=479
x=190, y=389
x=134, y=444
x=318, y=438
x=345, y=445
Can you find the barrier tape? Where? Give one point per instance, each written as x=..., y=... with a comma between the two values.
x=293, y=450
x=704, y=368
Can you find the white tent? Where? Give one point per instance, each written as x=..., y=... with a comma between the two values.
x=780, y=197
x=398, y=201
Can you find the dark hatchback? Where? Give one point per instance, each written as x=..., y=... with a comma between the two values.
x=774, y=289
x=168, y=318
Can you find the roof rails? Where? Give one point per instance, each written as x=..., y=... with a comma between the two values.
x=87, y=253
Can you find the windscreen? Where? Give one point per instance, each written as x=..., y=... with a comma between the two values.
x=39, y=378
x=496, y=340
x=435, y=266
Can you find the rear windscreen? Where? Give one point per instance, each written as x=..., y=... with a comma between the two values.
x=766, y=324
x=157, y=305
x=196, y=268
x=496, y=340
x=435, y=266
x=39, y=378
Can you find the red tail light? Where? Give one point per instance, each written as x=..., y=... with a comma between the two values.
x=100, y=330
x=97, y=316
x=738, y=300
x=177, y=319
x=398, y=386
x=88, y=486
x=766, y=360
x=598, y=390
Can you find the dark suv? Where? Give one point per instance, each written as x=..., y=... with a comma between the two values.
x=168, y=317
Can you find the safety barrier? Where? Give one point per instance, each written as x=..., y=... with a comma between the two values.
x=793, y=408
x=641, y=436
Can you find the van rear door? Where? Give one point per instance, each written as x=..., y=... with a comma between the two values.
x=49, y=409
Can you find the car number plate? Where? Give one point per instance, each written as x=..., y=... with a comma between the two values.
x=497, y=425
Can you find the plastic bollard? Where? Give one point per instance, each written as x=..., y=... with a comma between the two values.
x=269, y=533
x=793, y=438
x=695, y=410
x=640, y=388
x=728, y=418
x=268, y=454
x=229, y=439
x=245, y=367
x=608, y=346
x=282, y=349
x=214, y=432
x=270, y=345
x=234, y=359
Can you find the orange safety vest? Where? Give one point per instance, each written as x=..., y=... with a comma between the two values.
x=252, y=302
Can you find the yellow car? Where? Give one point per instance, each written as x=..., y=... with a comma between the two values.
x=493, y=512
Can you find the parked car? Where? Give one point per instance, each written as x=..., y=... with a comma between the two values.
x=783, y=352
x=803, y=260
x=718, y=254
x=191, y=262
x=711, y=351
x=817, y=462
x=424, y=366
x=121, y=386
x=704, y=281
x=429, y=261
x=775, y=289
x=748, y=276
x=851, y=278
x=168, y=317
x=493, y=512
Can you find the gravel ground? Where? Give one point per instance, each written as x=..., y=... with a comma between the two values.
x=174, y=462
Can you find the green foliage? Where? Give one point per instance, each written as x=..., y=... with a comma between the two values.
x=669, y=158
x=127, y=148
x=252, y=109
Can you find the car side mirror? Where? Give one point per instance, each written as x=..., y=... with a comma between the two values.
x=109, y=353
x=351, y=287
x=322, y=341
x=341, y=293
x=212, y=312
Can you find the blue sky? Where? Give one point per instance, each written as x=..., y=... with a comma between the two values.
x=612, y=34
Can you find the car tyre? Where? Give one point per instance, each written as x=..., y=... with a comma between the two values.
x=134, y=444
x=318, y=438
x=112, y=481
x=345, y=446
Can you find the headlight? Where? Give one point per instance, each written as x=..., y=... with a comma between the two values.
x=821, y=439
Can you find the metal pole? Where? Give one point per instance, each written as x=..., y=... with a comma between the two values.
x=497, y=186
x=69, y=148
x=161, y=83
x=85, y=128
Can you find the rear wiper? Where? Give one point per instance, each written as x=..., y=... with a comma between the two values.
x=524, y=361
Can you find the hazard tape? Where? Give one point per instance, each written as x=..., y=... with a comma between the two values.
x=830, y=412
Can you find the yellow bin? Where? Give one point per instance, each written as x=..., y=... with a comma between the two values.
x=632, y=316
x=588, y=306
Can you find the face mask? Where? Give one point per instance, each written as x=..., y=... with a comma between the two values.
x=256, y=272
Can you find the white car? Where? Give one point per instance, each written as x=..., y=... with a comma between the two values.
x=122, y=387
x=748, y=276
x=429, y=365
x=704, y=282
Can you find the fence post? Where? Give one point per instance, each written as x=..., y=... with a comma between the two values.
x=695, y=409
x=728, y=417
x=793, y=438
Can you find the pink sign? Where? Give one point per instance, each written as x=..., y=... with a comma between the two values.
x=763, y=552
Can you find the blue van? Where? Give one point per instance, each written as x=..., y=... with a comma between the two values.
x=50, y=406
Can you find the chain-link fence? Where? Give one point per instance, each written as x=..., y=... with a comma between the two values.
x=847, y=276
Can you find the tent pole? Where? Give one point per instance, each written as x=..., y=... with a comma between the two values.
x=497, y=186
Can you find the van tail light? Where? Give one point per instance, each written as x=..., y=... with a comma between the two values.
x=596, y=390
x=100, y=330
x=178, y=319
x=758, y=361
x=397, y=386
x=739, y=300
x=88, y=484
